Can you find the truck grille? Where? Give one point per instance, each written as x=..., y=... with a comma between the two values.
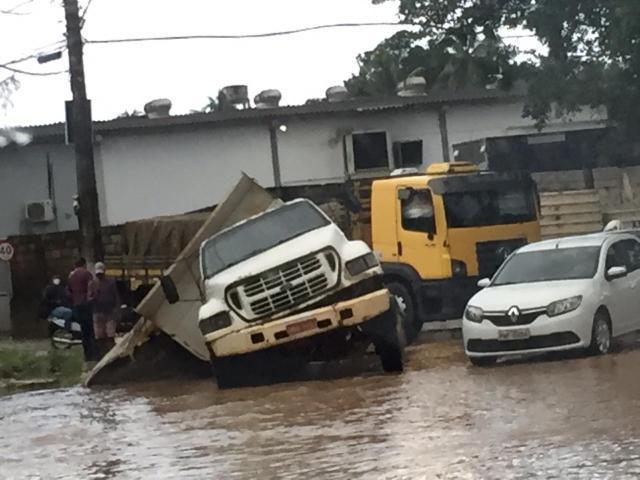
x=286, y=286
x=491, y=254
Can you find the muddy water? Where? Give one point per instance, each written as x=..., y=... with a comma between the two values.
x=576, y=418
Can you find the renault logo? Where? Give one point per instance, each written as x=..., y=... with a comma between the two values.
x=514, y=314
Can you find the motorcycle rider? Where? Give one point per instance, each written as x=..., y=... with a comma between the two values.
x=55, y=301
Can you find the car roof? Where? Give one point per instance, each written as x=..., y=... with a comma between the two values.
x=588, y=240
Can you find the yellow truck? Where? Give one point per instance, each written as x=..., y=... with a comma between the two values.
x=438, y=233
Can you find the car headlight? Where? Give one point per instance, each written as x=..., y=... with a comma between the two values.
x=474, y=314
x=216, y=322
x=362, y=264
x=563, y=306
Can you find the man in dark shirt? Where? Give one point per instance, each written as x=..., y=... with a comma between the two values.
x=79, y=280
x=105, y=304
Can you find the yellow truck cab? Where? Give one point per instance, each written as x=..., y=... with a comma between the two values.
x=439, y=232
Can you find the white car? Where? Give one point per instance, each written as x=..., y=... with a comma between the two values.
x=562, y=294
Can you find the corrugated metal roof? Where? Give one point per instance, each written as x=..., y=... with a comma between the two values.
x=358, y=105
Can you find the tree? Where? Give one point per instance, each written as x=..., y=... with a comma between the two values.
x=592, y=52
x=7, y=87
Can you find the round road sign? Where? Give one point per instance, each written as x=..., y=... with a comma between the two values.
x=6, y=251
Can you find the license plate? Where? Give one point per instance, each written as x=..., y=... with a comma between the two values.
x=514, y=334
x=299, y=327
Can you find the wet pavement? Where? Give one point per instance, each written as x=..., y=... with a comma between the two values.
x=570, y=418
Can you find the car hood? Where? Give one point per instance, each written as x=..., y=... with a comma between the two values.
x=528, y=295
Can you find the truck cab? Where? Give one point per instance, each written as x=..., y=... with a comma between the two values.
x=438, y=232
x=287, y=284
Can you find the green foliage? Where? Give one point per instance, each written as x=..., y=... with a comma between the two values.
x=28, y=360
x=592, y=52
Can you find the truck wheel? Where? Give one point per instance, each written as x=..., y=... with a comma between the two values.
x=411, y=323
x=390, y=339
x=391, y=358
x=231, y=372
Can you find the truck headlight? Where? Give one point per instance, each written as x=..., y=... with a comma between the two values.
x=362, y=264
x=563, y=306
x=474, y=314
x=216, y=322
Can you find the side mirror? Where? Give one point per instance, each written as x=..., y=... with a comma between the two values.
x=616, y=272
x=404, y=193
x=484, y=283
x=169, y=289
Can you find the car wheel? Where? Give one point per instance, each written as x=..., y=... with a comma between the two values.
x=412, y=324
x=600, y=335
x=483, y=361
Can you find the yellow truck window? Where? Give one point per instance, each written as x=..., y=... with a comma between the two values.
x=489, y=207
x=417, y=212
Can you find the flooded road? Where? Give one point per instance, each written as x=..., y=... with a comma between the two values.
x=575, y=418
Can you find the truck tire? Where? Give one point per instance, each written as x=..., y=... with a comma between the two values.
x=389, y=339
x=264, y=367
x=411, y=324
x=227, y=372
x=391, y=359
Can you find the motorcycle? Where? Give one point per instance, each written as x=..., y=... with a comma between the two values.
x=62, y=336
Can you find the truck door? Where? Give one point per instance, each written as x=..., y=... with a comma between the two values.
x=417, y=234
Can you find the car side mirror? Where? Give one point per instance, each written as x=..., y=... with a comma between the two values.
x=616, y=272
x=170, y=290
x=484, y=283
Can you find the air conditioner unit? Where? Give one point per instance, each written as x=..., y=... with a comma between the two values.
x=39, y=212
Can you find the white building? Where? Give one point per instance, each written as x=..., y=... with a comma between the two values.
x=149, y=167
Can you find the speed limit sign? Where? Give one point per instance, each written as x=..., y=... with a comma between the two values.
x=6, y=251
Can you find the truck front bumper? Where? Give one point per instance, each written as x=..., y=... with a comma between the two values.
x=348, y=313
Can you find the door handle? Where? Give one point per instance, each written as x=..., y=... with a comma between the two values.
x=399, y=249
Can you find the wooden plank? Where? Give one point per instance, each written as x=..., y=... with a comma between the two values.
x=570, y=229
x=569, y=209
x=590, y=217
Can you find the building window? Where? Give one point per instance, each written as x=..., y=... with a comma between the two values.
x=407, y=154
x=370, y=151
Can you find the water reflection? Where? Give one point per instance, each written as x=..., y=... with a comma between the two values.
x=575, y=418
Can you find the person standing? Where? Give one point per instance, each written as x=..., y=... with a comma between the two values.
x=79, y=280
x=105, y=302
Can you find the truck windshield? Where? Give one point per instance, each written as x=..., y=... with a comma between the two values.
x=259, y=234
x=489, y=207
x=548, y=265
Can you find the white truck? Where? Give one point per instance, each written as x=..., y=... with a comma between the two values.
x=285, y=287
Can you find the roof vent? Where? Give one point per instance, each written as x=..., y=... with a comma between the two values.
x=412, y=87
x=337, y=94
x=268, y=99
x=158, y=108
x=234, y=97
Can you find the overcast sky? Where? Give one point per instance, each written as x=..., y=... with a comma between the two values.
x=125, y=76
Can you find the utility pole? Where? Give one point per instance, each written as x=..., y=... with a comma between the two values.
x=82, y=131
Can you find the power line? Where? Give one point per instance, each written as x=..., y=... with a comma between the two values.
x=270, y=34
x=251, y=35
x=53, y=45
x=84, y=12
x=35, y=74
x=12, y=10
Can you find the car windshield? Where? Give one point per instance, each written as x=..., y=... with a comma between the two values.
x=489, y=207
x=259, y=234
x=548, y=265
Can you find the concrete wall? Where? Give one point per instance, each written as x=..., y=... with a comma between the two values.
x=141, y=174
x=24, y=178
x=150, y=174
x=477, y=121
x=312, y=149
